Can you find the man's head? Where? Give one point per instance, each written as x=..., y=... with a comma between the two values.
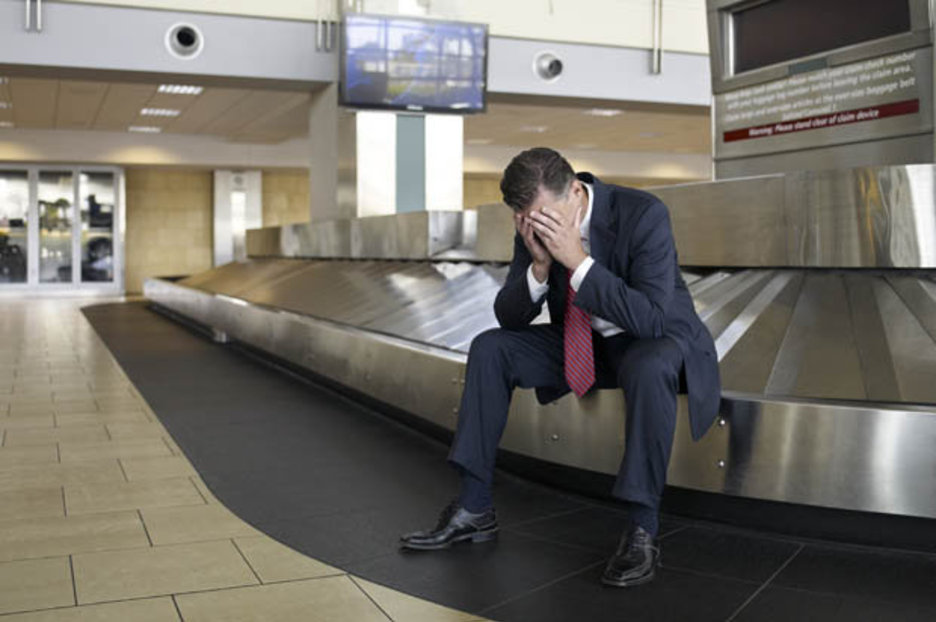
x=541, y=177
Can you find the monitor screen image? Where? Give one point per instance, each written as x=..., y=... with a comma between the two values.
x=780, y=31
x=406, y=63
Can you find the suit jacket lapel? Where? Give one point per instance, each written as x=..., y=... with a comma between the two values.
x=601, y=229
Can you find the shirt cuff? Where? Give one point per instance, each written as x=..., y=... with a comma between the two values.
x=537, y=289
x=579, y=275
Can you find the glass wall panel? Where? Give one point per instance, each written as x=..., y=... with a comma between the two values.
x=56, y=214
x=14, y=210
x=97, y=226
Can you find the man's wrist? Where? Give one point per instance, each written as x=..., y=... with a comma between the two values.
x=578, y=275
x=576, y=261
x=540, y=272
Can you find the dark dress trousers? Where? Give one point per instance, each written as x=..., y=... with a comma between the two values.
x=636, y=285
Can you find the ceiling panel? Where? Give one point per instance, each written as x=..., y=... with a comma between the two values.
x=204, y=110
x=289, y=118
x=245, y=111
x=572, y=128
x=78, y=104
x=34, y=102
x=122, y=105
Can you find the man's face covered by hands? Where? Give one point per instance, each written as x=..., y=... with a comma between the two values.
x=550, y=225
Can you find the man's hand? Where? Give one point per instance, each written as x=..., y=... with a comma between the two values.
x=561, y=237
x=541, y=257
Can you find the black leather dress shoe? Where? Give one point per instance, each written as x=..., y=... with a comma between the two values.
x=634, y=562
x=456, y=524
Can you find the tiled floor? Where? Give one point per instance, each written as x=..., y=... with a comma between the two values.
x=340, y=481
x=102, y=517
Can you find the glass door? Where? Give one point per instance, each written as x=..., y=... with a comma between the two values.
x=56, y=226
x=14, y=220
x=61, y=228
x=98, y=210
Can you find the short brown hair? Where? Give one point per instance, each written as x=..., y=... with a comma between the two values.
x=540, y=166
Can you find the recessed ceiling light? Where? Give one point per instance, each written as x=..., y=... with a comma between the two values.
x=602, y=112
x=145, y=129
x=479, y=141
x=5, y=105
x=181, y=89
x=160, y=112
x=533, y=129
x=6, y=124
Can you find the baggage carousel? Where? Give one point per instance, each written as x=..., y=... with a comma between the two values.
x=827, y=353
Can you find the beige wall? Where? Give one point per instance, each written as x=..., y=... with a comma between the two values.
x=285, y=197
x=481, y=189
x=168, y=223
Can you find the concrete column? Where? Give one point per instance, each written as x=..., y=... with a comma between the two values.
x=324, y=154
x=408, y=163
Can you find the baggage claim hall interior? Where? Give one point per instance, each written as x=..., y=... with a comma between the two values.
x=245, y=249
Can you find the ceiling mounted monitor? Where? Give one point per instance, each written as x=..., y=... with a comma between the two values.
x=405, y=63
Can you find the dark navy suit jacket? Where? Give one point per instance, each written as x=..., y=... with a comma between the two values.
x=635, y=283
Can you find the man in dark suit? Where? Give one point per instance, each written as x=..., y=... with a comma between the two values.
x=604, y=260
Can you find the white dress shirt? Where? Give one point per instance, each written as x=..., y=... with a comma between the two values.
x=538, y=290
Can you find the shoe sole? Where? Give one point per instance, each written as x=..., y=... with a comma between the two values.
x=630, y=582
x=481, y=536
x=634, y=582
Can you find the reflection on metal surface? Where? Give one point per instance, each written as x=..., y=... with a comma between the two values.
x=415, y=235
x=874, y=217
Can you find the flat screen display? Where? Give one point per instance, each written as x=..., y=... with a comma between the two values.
x=407, y=63
x=779, y=31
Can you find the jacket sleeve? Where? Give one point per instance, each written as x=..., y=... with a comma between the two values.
x=639, y=303
x=513, y=306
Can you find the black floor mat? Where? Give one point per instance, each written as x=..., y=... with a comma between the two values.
x=340, y=482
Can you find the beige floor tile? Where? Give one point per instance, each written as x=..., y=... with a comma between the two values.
x=35, y=584
x=31, y=502
x=29, y=454
x=156, y=571
x=94, y=498
x=31, y=410
x=405, y=608
x=79, y=406
x=136, y=430
x=115, y=408
x=275, y=562
x=17, y=477
x=175, y=525
x=38, y=436
x=71, y=395
x=100, y=418
x=112, y=399
x=112, y=450
x=26, y=538
x=77, y=388
x=142, y=469
x=145, y=610
x=45, y=420
x=203, y=489
x=28, y=398
x=332, y=599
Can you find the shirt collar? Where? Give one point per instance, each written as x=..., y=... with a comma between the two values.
x=586, y=221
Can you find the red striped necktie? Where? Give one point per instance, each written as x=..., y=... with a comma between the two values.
x=579, y=355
